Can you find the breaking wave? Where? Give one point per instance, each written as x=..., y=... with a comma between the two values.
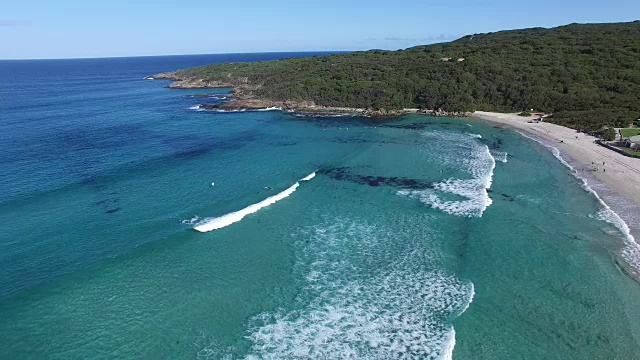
x=273, y=108
x=631, y=251
x=475, y=159
x=211, y=224
x=363, y=298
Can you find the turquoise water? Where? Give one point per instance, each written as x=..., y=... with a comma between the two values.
x=417, y=238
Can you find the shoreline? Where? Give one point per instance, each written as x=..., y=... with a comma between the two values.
x=617, y=189
x=243, y=99
x=310, y=108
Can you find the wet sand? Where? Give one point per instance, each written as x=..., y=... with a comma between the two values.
x=619, y=172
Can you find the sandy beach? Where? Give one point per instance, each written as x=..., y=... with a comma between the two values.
x=621, y=173
x=616, y=183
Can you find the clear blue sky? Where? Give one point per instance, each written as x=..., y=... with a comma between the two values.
x=74, y=28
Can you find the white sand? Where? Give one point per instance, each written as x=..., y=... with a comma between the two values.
x=622, y=173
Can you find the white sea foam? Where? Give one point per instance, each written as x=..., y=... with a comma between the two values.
x=476, y=136
x=243, y=110
x=309, y=177
x=362, y=298
x=228, y=111
x=450, y=344
x=194, y=220
x=195, y=107
x=500, y=155
x=273, y=108
x=319, y=115
x=211, y=224
x=474, y=158
x=631, y=252
x=209, y=96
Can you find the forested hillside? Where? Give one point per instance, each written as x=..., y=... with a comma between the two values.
x=587, y=75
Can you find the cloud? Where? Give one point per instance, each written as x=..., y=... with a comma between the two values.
x=14, y=23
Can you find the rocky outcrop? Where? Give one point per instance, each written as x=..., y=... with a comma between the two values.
x=443, y=113
x=245, y=99
x=240, y=105
x=384, y=112
x=310, y=108
x=165, y=76
x=198, y=84
x=182, y=82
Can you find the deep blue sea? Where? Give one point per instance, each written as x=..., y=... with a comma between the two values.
x=134, y=225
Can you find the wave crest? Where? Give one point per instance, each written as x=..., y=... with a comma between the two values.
x=211, y=224
x=475, y=159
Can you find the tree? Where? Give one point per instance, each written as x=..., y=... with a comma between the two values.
x=587, y=75
x=609, y=134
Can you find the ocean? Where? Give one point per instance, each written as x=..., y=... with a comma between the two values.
x=135, y=225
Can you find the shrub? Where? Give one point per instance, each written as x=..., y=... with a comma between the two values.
x=608, y=134
x=588, y=76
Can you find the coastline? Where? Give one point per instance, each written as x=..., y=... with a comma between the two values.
x=617, y=188
x=244, y=99
x=616, y=184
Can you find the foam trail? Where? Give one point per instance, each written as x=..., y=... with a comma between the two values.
x=632, y=252
x=230, y=218
x=400, y=309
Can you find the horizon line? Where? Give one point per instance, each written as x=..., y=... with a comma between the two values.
x=197, y=54
x=309, y=51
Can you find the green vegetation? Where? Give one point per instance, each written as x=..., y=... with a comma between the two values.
x=525, y=113
x=608, y=134
x=629, y=132
x=588, y=76
x=632, y=153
